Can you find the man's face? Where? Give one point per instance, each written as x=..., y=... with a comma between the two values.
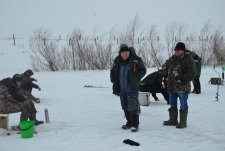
x=179, y=53
x=125, y=55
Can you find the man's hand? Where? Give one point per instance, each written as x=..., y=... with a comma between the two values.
x=39, y=89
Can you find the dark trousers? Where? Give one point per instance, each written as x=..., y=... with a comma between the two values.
x=197, y=85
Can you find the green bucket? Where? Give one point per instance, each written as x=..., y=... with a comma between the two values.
x=26, y=129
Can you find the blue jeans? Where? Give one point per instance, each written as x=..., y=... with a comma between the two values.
x=183, y=96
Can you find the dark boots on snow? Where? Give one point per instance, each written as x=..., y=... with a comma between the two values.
x=128, y=125
x=132, y=121
x=173, y=114
x=33, y=118
x=36, y=122
x=183, y=119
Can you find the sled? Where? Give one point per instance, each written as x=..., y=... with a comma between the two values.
x=216, y=81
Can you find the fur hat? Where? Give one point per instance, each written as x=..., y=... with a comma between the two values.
x=17, y=77
x=180, y=46
x=29, y=72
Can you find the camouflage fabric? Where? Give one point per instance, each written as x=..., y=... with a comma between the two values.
x=28, y=95
x=8, y=104
x=28, y=84
x=179, y=68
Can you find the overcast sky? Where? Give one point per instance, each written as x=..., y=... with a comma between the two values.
x=60, y=17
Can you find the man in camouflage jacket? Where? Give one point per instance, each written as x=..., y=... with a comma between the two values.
x=126, y=74
x=180, y=69
x=28, y=85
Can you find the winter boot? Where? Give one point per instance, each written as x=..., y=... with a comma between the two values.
x=134, y=120
x=134, y=129
x=36, y=122
x=183, y=119
x=33, y=118
x=173, y=113
x=128, y=125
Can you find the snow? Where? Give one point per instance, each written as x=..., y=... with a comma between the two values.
x=87, y=119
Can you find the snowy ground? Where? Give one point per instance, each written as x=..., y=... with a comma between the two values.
x=87, y=119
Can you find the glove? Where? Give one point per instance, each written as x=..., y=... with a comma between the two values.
x=131, y=142
x=39, y=89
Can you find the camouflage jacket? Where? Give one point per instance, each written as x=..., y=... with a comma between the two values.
x=181, y=69
x=28, y=84
x=9, y=91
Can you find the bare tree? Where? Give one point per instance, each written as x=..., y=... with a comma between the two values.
x=63, y=59
x=154, y=46
x=77, y=45
x=192, y=43
x=218, y=46
x=132, y=32
x=174, y=33
x=99, y=54
x=204, y=44
x=83, y=52
x=44, y=51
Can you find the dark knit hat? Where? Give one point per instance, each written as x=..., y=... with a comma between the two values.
x=17, y=77
x=123, y=47
x=180, y=46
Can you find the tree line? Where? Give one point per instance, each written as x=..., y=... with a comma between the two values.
x=78, y=52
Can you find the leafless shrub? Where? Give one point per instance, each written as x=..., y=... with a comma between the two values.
x=218, y=46
x=82, y=52
x=44, y=52
x=174, y=33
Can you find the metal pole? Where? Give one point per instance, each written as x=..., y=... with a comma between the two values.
x=47, y=116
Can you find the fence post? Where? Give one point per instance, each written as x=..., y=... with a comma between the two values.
x=14, y=40
x=70, y=41
x=44, y=41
